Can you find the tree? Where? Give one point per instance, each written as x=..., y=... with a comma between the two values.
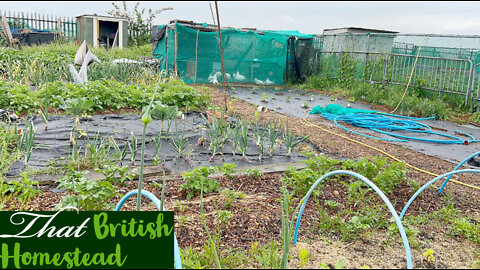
x=139, y=27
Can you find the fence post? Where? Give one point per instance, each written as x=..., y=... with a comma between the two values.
x=367, y=56
x=384, y=71
x=440, y=82
x=470, y=85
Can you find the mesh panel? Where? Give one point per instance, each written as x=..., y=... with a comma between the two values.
x=248, y=56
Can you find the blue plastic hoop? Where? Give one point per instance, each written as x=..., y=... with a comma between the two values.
x=377, y=190
x=156, y=201
x=430, y=183
x=456, y=168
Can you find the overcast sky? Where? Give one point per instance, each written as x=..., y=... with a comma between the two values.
x=307, y=17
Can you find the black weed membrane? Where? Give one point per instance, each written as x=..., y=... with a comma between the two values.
x=474, y=161
x=114, y=134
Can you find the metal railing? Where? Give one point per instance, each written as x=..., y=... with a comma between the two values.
x=42, y=22
x=453, y=76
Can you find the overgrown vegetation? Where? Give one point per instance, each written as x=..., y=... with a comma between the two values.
x=36, y=65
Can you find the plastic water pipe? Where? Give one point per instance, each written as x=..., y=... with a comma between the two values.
x=368, y=136
x=456, y=168
x=455, y=141
x=377, y=190
x=156, y=201
x=430, y=183
x=376, y=122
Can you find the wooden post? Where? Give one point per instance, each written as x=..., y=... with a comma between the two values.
x=175, y=67
x=59, y=28
x=12, y=42
x=5, y=32
x=221, y=57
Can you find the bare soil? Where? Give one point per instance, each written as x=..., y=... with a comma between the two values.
x=257, y=216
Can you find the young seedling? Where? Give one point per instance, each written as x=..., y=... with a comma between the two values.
x=157, y=139
x=27, y=140
x=291, y=141
x=264, y=98
x=219, y=133
x=243, y=145
x=260, y=130
x=236, y=139
x=121, y=154
x=75, y=149
x=133, y=149
x=44, y=113
x=273, y=132
x=201, y=141
x=179, y=142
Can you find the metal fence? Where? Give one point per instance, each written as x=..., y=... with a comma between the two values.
x=42, y=22
x=445, y=63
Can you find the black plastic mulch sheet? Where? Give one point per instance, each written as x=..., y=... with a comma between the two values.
x=53, y=145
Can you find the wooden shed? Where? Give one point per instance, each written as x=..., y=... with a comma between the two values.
x=102, y=31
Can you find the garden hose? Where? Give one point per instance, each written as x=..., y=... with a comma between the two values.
x=385, y=153
x=411, y=74
x=376, y=122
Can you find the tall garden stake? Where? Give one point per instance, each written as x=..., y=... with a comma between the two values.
x=221, y=56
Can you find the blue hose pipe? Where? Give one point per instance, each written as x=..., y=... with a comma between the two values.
x=381, y=122
x=430, y=183
x=378, y=191
x=156, y=201
x=456, y=168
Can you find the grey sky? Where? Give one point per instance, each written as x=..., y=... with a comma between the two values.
x=308, y=17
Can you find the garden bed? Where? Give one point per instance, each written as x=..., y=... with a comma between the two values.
x=254, y=215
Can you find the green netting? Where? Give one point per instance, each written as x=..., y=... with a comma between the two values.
x=248, y=56
x=338, y=110
x=288, y=33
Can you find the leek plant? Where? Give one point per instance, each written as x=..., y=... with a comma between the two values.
x=236, y=139
x=243, y=139
x=259, y=129
x=287, y=223
x=133, y=148
x=27, y=140
x=218, y=133
x=291, y=141
x=120, y=154
x=273, y=132
x=157, y=139
x=44, y=112
x=179, y=143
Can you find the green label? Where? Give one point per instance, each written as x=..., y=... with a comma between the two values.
x=86, y=240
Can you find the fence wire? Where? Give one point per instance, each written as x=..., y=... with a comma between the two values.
x=446, y=63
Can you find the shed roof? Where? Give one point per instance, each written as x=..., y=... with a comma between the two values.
x=343, y=30
x=102, y=17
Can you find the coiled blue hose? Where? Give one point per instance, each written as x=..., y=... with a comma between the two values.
x=377, y=190
x=156, y=201
x=382, y=122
